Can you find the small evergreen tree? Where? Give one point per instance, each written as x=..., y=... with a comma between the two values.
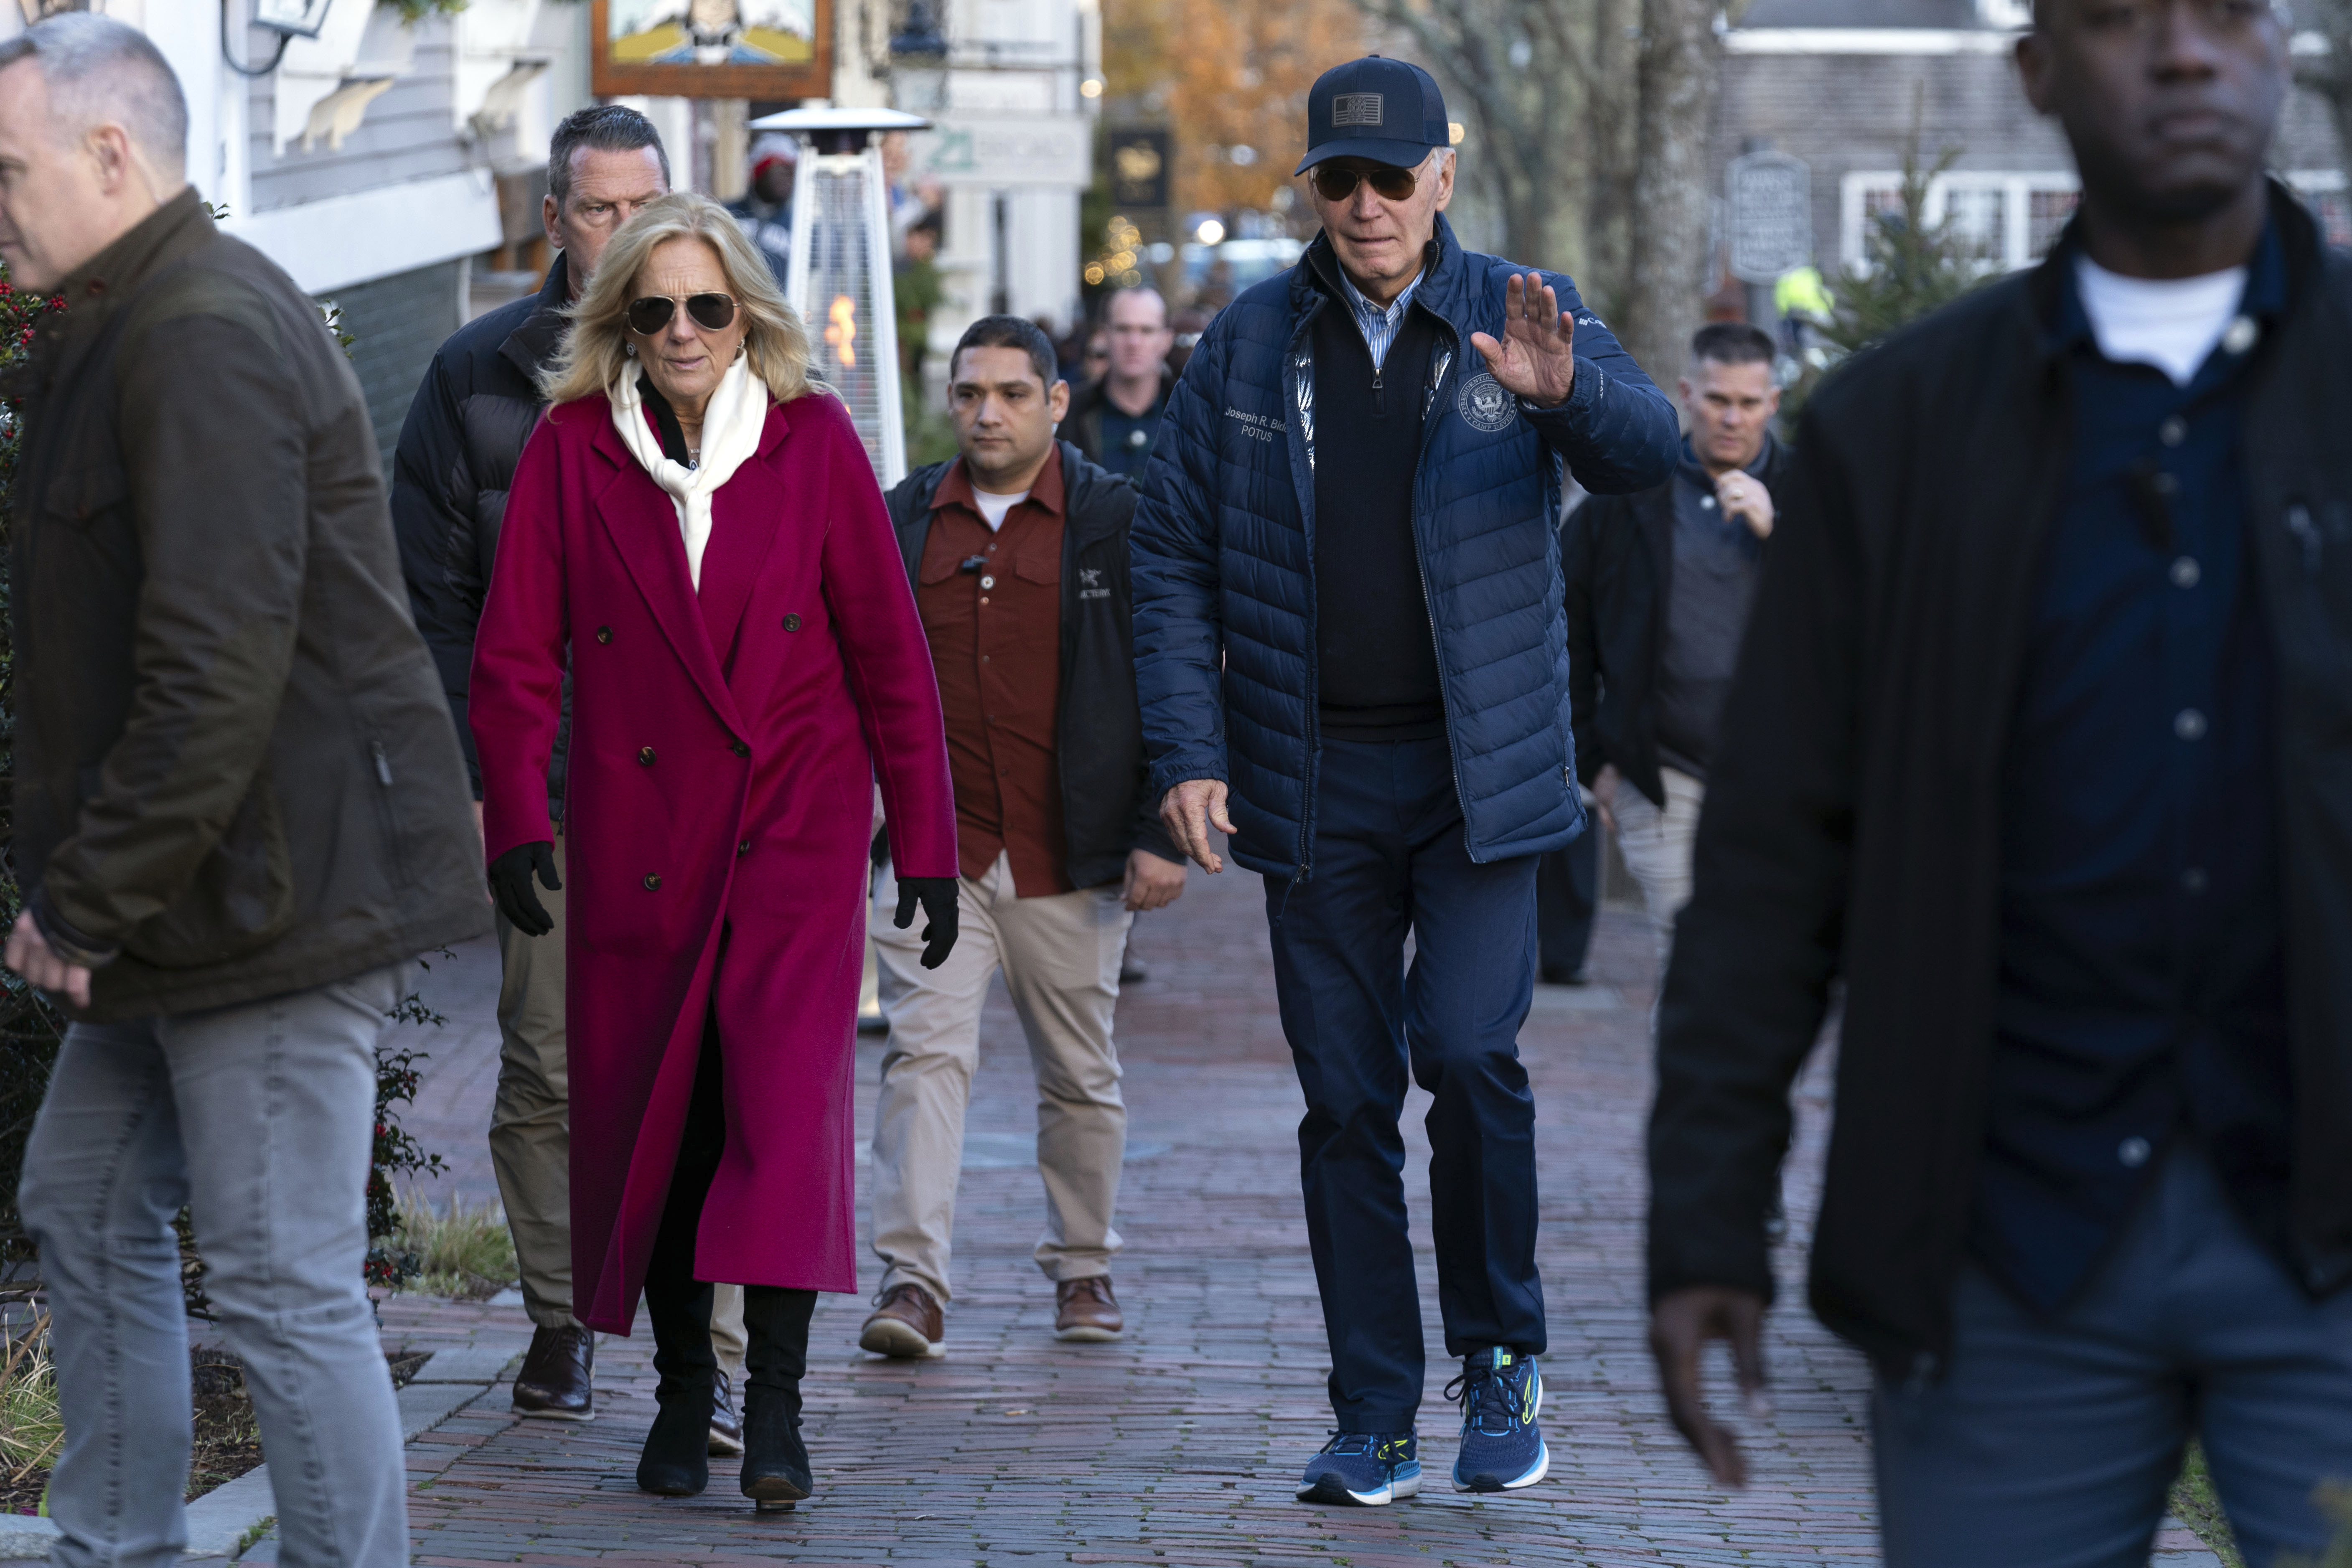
x=1911, y=267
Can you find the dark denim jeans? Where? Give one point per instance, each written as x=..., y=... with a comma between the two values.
x=258, y=1117
x=2052, y=1443
x=1391, y=859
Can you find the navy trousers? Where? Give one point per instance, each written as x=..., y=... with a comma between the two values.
x=1389, y=858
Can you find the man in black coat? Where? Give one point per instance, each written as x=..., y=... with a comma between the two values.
x=2041, y=741
x=1113, y=421
x=1659, y=585
x=465, y=432
x=1017, y=553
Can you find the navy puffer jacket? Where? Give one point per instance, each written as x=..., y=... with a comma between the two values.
x=1224, y=557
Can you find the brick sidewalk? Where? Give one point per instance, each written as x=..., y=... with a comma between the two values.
x=1181, y=1444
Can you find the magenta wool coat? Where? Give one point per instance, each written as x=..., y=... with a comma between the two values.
x=724, y=748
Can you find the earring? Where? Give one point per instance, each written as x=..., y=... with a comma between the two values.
x=630, y=350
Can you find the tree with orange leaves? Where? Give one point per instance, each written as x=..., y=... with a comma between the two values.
x=1229, y=77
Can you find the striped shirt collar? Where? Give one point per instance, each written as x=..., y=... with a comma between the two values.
x=1379, y=322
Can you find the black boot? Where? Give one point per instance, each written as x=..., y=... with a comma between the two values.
x=676, y=1461
x=677, y=1457
x=775, y=1462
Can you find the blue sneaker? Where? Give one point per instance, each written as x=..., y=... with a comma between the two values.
x=1362, y=1469
x=1502, y=1448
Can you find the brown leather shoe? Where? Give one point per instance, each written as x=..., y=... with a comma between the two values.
x=726, y=1426
x=906, y=1324
x=1084, y=1310
x=558, y=1380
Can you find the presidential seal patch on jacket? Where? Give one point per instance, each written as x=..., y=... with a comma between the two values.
x=1484, y=405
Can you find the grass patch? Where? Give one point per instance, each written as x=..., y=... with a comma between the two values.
x=464, y=1251
x=31, y=1430
x=2195, y=1504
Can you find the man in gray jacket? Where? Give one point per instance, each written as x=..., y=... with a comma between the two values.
x=240, y=814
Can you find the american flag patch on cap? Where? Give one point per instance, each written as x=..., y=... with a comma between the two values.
x=1355, y=109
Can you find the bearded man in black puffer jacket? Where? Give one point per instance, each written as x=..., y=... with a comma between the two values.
x=465, y=432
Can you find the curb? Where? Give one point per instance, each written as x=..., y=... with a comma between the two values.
x=220, y=1520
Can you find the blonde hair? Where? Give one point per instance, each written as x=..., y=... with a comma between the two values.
x=592, y=360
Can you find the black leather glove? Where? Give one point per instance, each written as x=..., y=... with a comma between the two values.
x=938, y=896
x=510, y=887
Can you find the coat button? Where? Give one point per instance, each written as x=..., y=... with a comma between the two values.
x=744, y=848
x=653, y=881
x=791, y=623
x=742, y=750
x=645, y=755
x=603, y=634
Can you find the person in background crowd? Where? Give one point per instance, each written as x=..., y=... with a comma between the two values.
x=1017, y=551
x=1186, y=325
x=1113, y=420
x=1091, y=361
x=916, y=292
x=2042, y=742
x=450, y=475
x=1658, y=588
x=1567, y=897
x=240, y=815
x=705, y=539
x=766, y=210
x=1349, y=641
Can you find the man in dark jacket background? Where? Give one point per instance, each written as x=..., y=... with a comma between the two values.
x=1350, y=656
x=2041, y=741
x=1017, y=549
x=476, y=407
x=1114, y=420
x=240, y=814
x=1659, y=584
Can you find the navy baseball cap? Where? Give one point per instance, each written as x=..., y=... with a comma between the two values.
x=1388, y=110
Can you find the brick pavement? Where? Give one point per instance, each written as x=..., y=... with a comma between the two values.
x=1179, y=1445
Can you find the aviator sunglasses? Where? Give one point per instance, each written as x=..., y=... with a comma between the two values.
x=1336, y=184
x=652, y=313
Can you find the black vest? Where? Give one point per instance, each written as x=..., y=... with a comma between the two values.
x=1377, y=661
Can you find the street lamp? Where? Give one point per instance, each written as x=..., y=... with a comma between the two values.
x=918, y=61
x=839, y=276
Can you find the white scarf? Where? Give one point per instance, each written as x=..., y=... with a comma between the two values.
x=731, y=423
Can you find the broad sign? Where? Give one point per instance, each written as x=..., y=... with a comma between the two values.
x=1771, y=216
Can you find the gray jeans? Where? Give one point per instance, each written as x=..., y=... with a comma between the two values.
x=258, y=1117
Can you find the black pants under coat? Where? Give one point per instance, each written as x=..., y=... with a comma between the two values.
x=775, y=1320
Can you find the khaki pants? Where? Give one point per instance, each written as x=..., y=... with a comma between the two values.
x=1656, y=842
x=530, y=1119
x=530, y=1131
x=1060, y=955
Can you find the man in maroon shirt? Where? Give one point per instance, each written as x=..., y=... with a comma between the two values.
x=1017, y=549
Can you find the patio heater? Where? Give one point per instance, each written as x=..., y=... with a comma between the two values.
x=839, y=275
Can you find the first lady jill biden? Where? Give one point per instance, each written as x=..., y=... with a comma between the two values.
x=698, y=524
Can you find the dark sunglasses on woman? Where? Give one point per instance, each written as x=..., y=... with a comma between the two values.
x=1336, y=184
x=652, y=313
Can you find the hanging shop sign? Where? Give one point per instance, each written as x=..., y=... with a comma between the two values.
x=1138, y=169
x=763, y=49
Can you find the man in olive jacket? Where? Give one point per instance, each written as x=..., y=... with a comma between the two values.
x=240, y=814
x=2042, y=742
